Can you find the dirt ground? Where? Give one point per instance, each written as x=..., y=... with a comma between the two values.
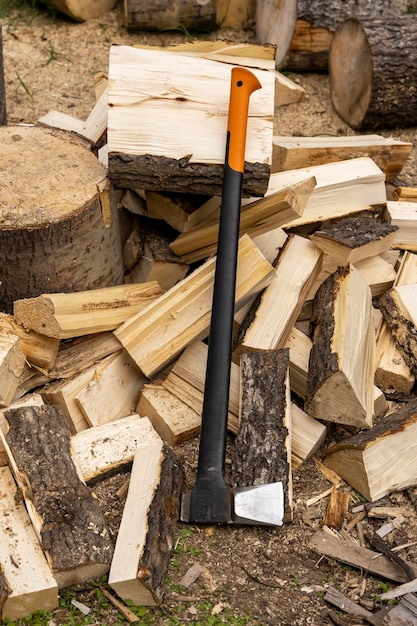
x=249, y=575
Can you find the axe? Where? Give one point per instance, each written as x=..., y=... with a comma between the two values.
x=212, y=500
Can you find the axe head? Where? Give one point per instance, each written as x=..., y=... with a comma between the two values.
x=260, y=505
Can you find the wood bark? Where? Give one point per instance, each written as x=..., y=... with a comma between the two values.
x=317, y=21
x=378, y=87
x=80, y=10
x=342, y=359
x=3, y=106
x=398, y=307
x=148, y=527
x=275, y=23
x=262, y=446
x=66, y=515
x=148, y=15
x=382, y=459
x=58, y=231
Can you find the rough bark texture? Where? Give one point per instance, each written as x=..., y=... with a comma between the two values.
x=402, y=329
x=4, y=589
x=57, y=232
x=261, y=449
x=3, y=109
x=356, y=231
x=154, y=173
x=317, y=21
x=323, y=362
x=378, y=87
x=73, y=529
x=162, y=522
x=157, y=15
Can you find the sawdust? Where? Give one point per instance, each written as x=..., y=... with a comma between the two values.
x=268, y=574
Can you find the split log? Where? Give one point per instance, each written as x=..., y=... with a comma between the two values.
x=157, y=262
x=392, y=372
x=3, y=105
x=287, y=91
x=63, y=510
x=379, y=274
x=66, y=315
x=342, y=359
x=399, y=307
x=34, y=399
x=82, y=11
x=317, y=21
x=281, y=206
x=275, y=23
x=151, y=16
x=337, y=508
x=65, y=236
x=12, y=363
x=185, y=151
x=112, y=393
x=403, y=215
x=382, y=459
x=377, y=88
x=269, y=322
x=111, y=447
x=148, y=527
x=341, y=189
x=24, y=568
x=39, y=350
x=262, y=453
x=327, y=544
x=354, y=238
x=389, y=154
x=174, y=420
x=162, y=330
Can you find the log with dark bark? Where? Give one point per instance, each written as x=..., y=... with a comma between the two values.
x=262, y=447
x=59, y=223
x=65, y=514
x=317, y=21
x=377, y=87
x=149, y=15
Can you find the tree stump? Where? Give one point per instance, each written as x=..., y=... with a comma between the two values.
x=59, y=227
x=317, y=21
x=373, y=72
x=151, y=15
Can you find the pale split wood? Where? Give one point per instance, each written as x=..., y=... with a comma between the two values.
x=147, y=530
x=373, y=461
x=103, y=449
x=270, y=323
x=83, y=352
x=342, y=360
x=403, y=214
x=155, y=336
x=38, y=349
x=286, y=92
x=378, y=273
x=66, y=315
x=12, y=363
x=112, y=392
x=275, y=24
x=257, y=217
x=405, y=194
x=389, y=154
x=24, y=566
x=235, y=13
x=337, y=508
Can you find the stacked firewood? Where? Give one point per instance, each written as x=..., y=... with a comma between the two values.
x=107, y=371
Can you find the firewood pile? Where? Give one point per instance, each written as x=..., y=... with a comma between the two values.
x=104, y=370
